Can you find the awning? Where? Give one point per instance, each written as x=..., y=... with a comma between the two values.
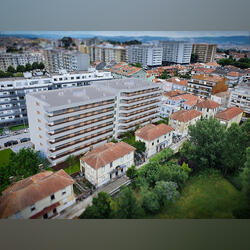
x=45, y=210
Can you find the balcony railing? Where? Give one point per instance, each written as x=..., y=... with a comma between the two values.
x=138, y=111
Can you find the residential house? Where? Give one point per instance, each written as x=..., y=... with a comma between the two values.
x=106, y=162
x=155, y=137
x=208, y=108
x=182, y=119
x=41, y=196
x=230, y=115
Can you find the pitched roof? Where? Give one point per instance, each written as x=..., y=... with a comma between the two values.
x=229, y=113
x=104, y=154
x=124, y=69
x=208, y=104
x=27, y=192
x=178, y=81
x=185, y=115
x=212, y=78
x=151, y=132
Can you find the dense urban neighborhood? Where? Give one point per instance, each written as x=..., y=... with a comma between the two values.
x=101, y=129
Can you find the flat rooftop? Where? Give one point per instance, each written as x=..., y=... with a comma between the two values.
x=126, y=84
x=72, y=96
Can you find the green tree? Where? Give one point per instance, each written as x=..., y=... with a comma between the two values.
x=40, y=66
x=165, y=75
x=20, y=68
x=101, y=208
x=166, y=192
x=71, y=160
x=131, y=172
x=128, y=206
x=140, y=147
x=194, y=58
x=205, y=144
x=150, y=201
x=28, y=67
x=35, y=65
x=11, y=69
x=245, y=176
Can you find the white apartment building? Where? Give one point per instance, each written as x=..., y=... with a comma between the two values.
x=13, y=91
x=12, y=97
x=107, y=53
x=240, y=97
x=56, y=60
x=146, y=55
x=155, y=137
x=41, y=196
x=106, y=162
x=176, y=51
x=72, y=120
x=15, y=59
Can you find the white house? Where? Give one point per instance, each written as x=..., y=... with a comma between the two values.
x=41, y=196
x=105, y=162
x=208, y=108
x=155, y=137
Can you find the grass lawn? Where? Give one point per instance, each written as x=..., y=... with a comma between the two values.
x=18, y=127
x=73, y=169
x=1, y=130
x=4, y=156
x=205, y=196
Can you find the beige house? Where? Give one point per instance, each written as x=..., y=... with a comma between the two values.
x=208, y=108
x=182, y=119
x=41, y=196
x=230, y=115
x=106, y=162
x=155, y=137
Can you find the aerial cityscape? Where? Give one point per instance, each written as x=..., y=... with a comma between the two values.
x=124, y=125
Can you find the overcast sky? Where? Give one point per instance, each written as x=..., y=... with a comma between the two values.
x=174, y=34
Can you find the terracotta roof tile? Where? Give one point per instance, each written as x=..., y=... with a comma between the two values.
x=27, y=192
x=107, y=153
x=229, y=113
x=151, y=132
x=185, y=115
x=208, y=104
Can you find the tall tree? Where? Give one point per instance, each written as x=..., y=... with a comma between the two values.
x=28, y=67
x=11, y=69
x=150, y=201
x=128, y=206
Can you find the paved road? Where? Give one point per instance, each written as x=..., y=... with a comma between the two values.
x=13, y=137
x=19, y=146
x=77, y=209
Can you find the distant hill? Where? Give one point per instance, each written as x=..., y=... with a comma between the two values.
x=220, y=40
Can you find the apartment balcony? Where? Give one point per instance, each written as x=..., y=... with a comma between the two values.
x=69, y=124
x=139, y=105
x=80, y=147
x=80, y=108
x=141, y=112
x=75, y=136
x=149, y=119
x=79, y=117
x=139, y=100
x=80, y=125
x=137, y=118
x=139, y=93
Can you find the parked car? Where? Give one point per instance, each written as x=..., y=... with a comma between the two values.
x=10, y=143
x=24, y=140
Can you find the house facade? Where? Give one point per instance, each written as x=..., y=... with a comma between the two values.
x=41, y=196
x=106, y=162
x=208, y=108
x=155, y=137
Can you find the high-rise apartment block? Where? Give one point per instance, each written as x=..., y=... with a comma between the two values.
x=13, y=91
x=71, y=121
x=205, y=52
x=176, y=51
x=56, y=60
x=146, y=55
x=15, y=59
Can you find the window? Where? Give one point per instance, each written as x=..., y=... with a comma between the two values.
x=39, y=120
x=52, y=197
x=64, y=192
x=38, y=112
x=40, y=136
x=32, y=208
x=157, y=140
x=111, y=164
x=45, y=216
x=153, y=143
x=37, y=104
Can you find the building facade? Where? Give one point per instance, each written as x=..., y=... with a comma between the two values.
x=41, y=196
x=155, y=137
x=107, y=162
x=205, y=52
x=72, y=120
x=208, y=108
x=146, y=55
x=176, y=51
x=56, y=60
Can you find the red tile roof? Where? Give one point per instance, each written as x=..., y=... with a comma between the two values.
x=178, y=81
x=27, y=192
x=208, y=104
x=229, y=113
x=107, y=153
x=124, y=69
x=185, y=115
x=151, y=132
